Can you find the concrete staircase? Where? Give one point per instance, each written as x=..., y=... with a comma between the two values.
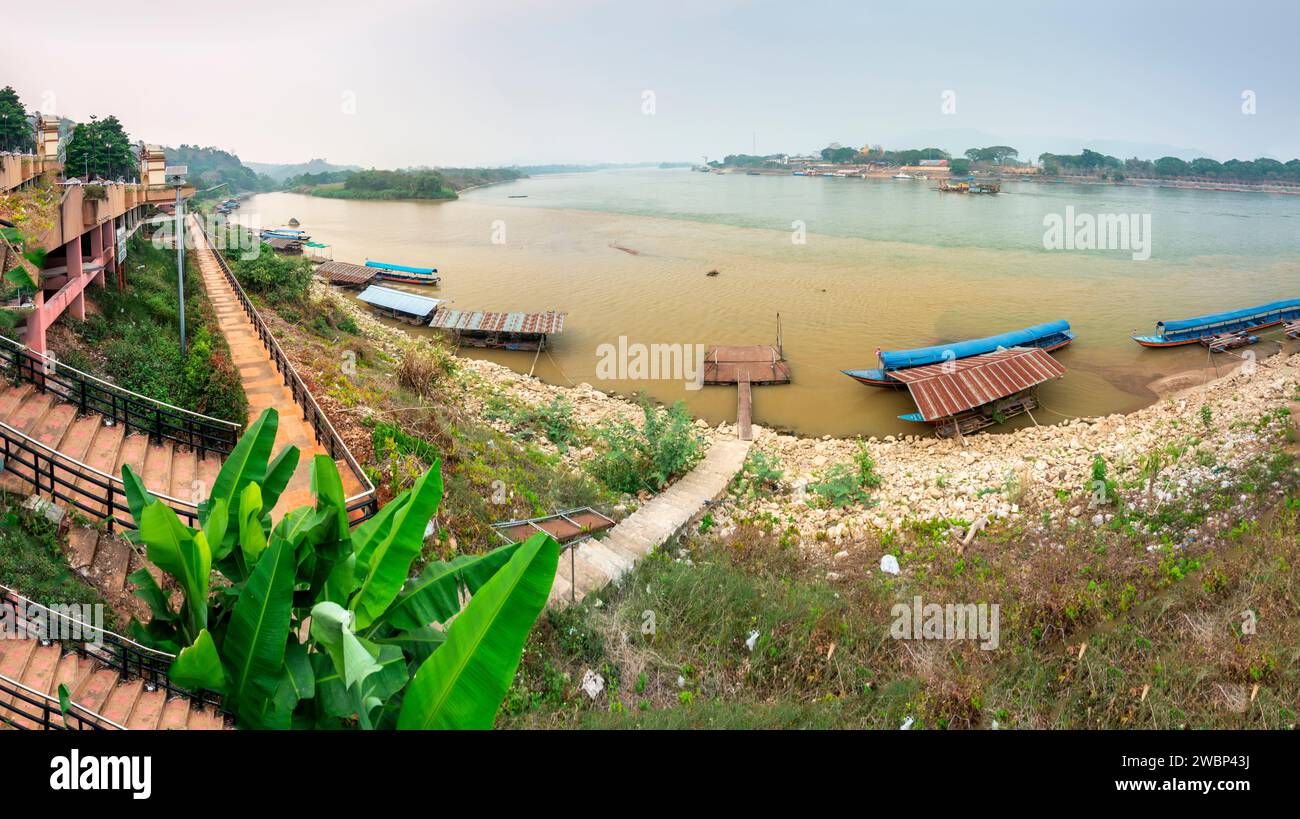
x=98, y=693
x=596, y=563
x=167, y=468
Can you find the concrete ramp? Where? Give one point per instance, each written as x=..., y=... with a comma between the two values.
x=594, y=563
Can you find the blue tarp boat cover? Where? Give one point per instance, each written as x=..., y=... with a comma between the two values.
x=402, y=268
x=898, y=359
x=1218, y=318
x=397, y=300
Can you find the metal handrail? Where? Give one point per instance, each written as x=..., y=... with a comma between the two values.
x=46, y=463
x=135, y=411
x=124, y=655
x=62, y=367
x=49, y=706
x=14, y=596
x=325, y=433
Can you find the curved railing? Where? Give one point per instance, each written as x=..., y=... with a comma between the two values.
x=136, y=412
x=113, y=651
x=99, y=495
x=326, y=435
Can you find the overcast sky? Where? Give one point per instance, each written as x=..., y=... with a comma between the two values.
x=477, y=82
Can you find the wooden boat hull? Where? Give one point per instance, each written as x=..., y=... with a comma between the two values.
x=1157, y=341
x=880, y=378
x=407, y=278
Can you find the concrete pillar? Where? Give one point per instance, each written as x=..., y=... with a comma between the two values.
x=96, y=252
x=79, y=306
x=36, y=324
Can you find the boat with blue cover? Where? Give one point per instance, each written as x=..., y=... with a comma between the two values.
x=1196, y=330
x=1050, y=336
x=406, y=274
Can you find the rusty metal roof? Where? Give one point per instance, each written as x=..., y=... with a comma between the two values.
x=950, y=388
x=485, y=322
x=566, y=526
x=345, y=273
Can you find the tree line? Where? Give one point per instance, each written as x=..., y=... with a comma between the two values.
x=1093, y=163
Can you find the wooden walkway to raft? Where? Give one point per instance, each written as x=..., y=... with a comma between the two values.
x=746, y=367
x=263, y=383
x=599, y=562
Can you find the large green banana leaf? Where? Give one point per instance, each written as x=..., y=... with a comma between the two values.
x=433, y=596
x=254, y=645
x=182, y=553
x=463, y=683
x=389, y=561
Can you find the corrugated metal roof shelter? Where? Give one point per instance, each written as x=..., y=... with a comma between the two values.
x=487, y=322
x=347, y=275
x=398, y=303
x=506, y=331
x=948, y=389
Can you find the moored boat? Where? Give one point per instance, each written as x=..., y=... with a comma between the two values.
x=1193, y=330
x=1047, y=337
x=406, y=274
x=1292, y=330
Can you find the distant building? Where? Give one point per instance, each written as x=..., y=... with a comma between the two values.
x=153, y=165
x=933, y=163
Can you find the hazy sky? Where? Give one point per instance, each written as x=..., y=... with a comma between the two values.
x=478, y=82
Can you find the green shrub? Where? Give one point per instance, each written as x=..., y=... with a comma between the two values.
x=663, y=448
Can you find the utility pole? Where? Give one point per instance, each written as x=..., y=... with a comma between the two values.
x=176, y=177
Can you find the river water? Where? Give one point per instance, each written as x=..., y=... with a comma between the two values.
x=849, y=264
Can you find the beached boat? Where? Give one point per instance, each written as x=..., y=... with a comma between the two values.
x=901, y=175
x=1047, y=337
x=406, y=274
x=1193, y=330
x=291, y=233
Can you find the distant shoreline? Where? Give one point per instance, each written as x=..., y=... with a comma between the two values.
x=1182, y=183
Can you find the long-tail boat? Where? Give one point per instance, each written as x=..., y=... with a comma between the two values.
x=1193, y=330
x=406, y=274
x=1048, y=337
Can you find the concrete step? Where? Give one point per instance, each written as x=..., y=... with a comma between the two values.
x=184, y=469
x=121, y=700
x=102, y=455
x=148, y=710
x=157, y=472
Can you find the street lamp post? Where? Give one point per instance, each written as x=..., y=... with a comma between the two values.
x=176, y=177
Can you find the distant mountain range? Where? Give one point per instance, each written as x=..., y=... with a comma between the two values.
x=282, y=172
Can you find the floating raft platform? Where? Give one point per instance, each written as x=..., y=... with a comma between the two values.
x=501, y=331
x=746, y=367
x=759, y=365
x=344, y=274
x=971, y=393
x=399, y=305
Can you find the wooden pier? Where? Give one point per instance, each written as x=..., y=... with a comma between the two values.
x=746, y=367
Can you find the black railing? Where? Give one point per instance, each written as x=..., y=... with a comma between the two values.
x=98, y=495
x=324, y=431
x=129, y=659
x=24, y=709
x=134, y=411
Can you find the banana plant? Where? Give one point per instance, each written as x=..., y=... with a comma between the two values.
x=315, y=624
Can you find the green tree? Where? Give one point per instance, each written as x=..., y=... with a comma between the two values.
x=16, y=133
x=101, y=149
x=1171, y=166
x=318, y=625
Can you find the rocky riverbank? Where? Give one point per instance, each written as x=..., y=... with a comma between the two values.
x=1198, y=435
